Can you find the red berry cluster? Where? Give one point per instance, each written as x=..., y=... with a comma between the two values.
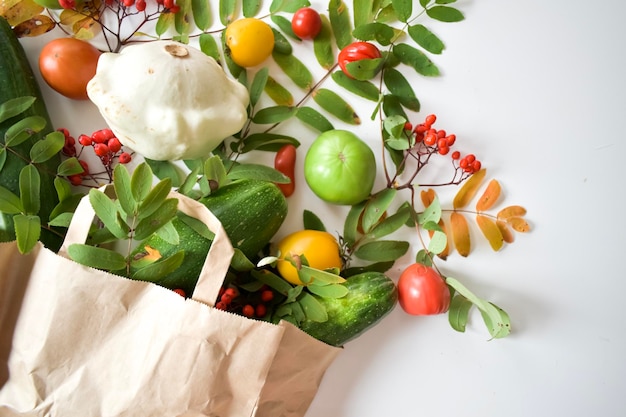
x=106, y=146
x=168, y=5
x=253, y=305
x=438, y=140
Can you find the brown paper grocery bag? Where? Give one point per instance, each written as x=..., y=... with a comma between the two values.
x=76, y=341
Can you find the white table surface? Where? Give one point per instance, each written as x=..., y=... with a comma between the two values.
x=537, y=90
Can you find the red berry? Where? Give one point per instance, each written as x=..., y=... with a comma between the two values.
x=101, y=149
x=102, y=135
x=128, y=3
x=260, y=310
x=430, y=120
x=226, y=298
x=421, y=128
x=476, y=165
x=69, y=150
x=443, y=150
x=125, y=158
x=70, y=141
x=248, y=310
x=408, y=126
x=441, y=133
x=180, y=292
x=470, y=158
x=456, y=155
x=85, y=140
x=221, y=306
x=430, y=139
x=463, y=163
x=67, y=4
x=232, y=292
x=114, y=145
x=75, y=179
x=140, y=5
x=442, y=143
x=267, y=295
x=451, y=139
x=85, y=167
x=63, y=130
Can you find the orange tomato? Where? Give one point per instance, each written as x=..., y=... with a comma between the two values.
x=67, y=65
x=320, y=249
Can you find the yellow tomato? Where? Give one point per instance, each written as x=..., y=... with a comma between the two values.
x=250, y=41
x=320, y=249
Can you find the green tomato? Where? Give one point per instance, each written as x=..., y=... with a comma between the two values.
x=49, y=4
x=340, y=168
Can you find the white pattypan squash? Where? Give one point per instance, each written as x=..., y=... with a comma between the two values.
x=167, y=100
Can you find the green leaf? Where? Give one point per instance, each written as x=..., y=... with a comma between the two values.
x=158, y=270
x=267, y=142
x=241, y=263
x=310, y=221
x=458, y=313
x=322, y=45
x=351, y=224
x=416, y=59
x=445, y=14
x=258, y=85
x=392, y=106
x=15, y=106
x=294, y=69
x=108, y=212
x=96, y=257
x=364, y=89
x=313, y=309
x=336, y=105
x=403, y=8
x=290, y=6
x=257, y=171
x=23, y=129
x=281, y=44
x=70, y=166
x=165, y=169
x=250, y=7
x=401, y=88
x=141, y=181
x=208, y=45
x=318, y=277
x=165, y=212
x=45, y=149
x=27, y=231
x=278, y=93
x=190, y=182
x=62, y=220
x=197, y=225
x=382, y=250
x=390, y=224
x=284, y=25
x=497, y=320
x=201, y=14
x=63, y=188
x=67, y=205
x=365, y=69
x=121, y=183
x=275, y=114
x=30, y=185
x=234, y=69
x=164, y=23
x=272, y=280
x=314, y=119
x=363, y=11
x=214, y=170
x=340, y=23
x=155, y=198
x=376, y=207
x=432, y=213
x=3, y=157
x=329, y=291
x=182, y=19
x=228, y=11
x=376, y=31
x=426, y=39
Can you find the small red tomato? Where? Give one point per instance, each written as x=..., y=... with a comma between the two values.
x=422, y=291
x=67, y=65
x=357, y=51
x=306, y=23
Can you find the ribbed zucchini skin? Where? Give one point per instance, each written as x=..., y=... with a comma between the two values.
x=251, y=212
x=371, y=296
x=17, y=80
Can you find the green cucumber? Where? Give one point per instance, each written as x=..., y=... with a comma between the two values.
x=251, y=212
x=17, y=80
x=371, y=296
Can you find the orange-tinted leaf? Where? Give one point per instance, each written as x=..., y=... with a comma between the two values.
x=491, y=231
x=36, y=26
x=490, y=196
x=18, y=11
x=519, y=224
x=507, y=234
x=469, y=189
x=460, y=233
x=427, y=196
x=511, y=211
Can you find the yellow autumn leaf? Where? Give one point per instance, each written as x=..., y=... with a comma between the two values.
x=36, y=26
x=511, y=211
x=489, y=196
x=468, y=189
x=507, y=234
x=460, y=233
x=519, y=224
x=18, y=11
x=491, y=231
x=427, y=196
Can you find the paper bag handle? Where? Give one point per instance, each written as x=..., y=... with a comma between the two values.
x=217, y=261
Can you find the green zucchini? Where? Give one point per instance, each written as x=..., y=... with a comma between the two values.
x=371, y=296
x=251, y=212
x=17, y=80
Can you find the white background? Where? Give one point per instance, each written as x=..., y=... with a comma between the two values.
x=536, y=90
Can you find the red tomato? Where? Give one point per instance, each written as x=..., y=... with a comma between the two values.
x=357, y=51
x=306, y=23
x=422, y=291
x=67, y=65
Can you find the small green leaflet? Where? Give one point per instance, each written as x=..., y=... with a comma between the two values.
x=258, y=85
x=340, y=23
x=322, y=45
x=376, y=31
x=208, y=45
x=278, y=93
x=249, y=7
x=70, y=166
x=141, y=181
x=363, y=11
x=314, y=119
x=310, y=221
x=403, y=9
x=121, y=184
x=201, y=14
x=294, y=69
x=401, y=88
x=155, y=198
x=281, y=44
x=285, y=26
x=30, y=185
x=335, y=105
x=158, y=270
x=23, y=129
x=165, y=212
x=95, y=257
x=458, y=313
x=426, y=39
x=228, y=11
x=416, y=59
x=382, y=250
x=15, y=106
x=27, y=231
x=364, y=89
x=108, y=213
x=376, y=207
x=257, y=171
x=275, y=114
x=45, y=149
x=313, y=309
x=445, y=14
